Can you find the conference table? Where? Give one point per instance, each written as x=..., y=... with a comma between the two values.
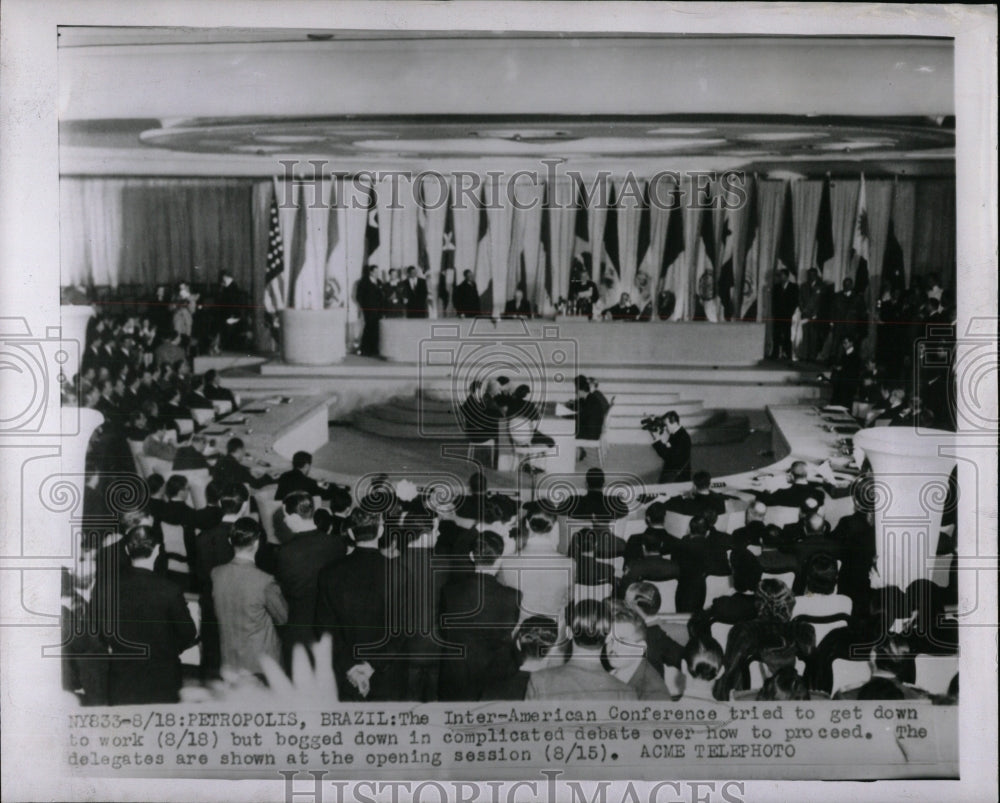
x=274, y=428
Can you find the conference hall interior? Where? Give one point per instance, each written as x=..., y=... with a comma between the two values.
x=509, y=366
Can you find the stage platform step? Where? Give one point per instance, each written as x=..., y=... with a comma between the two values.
x=406, y=419
x=360, y=382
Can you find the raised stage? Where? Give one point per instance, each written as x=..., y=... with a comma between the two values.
x=590, y=343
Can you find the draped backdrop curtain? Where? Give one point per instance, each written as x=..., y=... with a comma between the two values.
x=740, y=218
x=934, y=244
x=806, y=198
x=770, y=212
x=148, y=231
x=561, y=212
x=879, y=200
x=843, y=210
x=904, y=205
x=658, y=192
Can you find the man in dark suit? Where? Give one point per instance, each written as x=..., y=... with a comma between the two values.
x=298, y=566
x=151, y=616
x=845, y=379
x=415, y=294
x=478, y=614
x=352, y=605
x=297, y=479
x=370, y=297
x=480, y=421
x=786, y=300
x=624, y=310
x=518, y=306
x=191, y=456
x=591, y=408
x=674, y=448
x=849, y=314
x=467, y=302
x=811, y=304
x=229, y=467
x=754, y=531
x=797, y=492
x=214, y=391
x=230, y=305
x=700, y=498
x=196, y=398
x=212, y=548
x=595, y=504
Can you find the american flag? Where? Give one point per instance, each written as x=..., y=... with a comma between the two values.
x=274, y=278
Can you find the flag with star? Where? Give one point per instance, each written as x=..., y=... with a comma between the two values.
x=274, y=276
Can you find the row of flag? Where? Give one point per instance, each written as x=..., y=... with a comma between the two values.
x=703, y=284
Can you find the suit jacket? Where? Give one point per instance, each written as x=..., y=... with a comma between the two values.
x=216, y=393
x=151, y=613
x=696, y=504
x=228, y=469
x=248, y=606
x=734, y=608
x=512, y=309
x=187, y=458
x=590, y=414
x=351, y=604
x=299, y=563
x=577, y=681
x=295, y=480
x=467, y=300
x=794, y=495
x=676, y=457
x=752, y=534
x=478, y=615
x=845, y=379
x=415, y=298
x=786, y=300
x=212, y=549
x=369, y=297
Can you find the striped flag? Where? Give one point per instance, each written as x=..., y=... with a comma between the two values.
x=274, y=276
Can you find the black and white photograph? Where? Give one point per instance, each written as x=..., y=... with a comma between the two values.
x=419, y=401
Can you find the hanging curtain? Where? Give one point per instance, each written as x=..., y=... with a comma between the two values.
x=770, y=212
x=433, y=211
x=694, y=252
x=904, y=205
x=806, y=198
x=648, y=272
x=403, y=235
x=934, y=244
x=356, y=198
x=337, y=286
x=90, y=226
x=879, y=200
x=499, y=220
x=629, y=209
x=309, y=286
x=740, y=219
x=843, y=211
x=562, y=220
x=465, y=213
x=526, y=226
x=598, y=201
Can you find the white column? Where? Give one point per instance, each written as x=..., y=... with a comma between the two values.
x=911, y=484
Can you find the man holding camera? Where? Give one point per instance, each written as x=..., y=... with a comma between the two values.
x=673, y=445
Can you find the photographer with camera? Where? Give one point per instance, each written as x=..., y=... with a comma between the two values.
x=673, y=444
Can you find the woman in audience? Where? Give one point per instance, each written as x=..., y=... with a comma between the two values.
x=771, y=637
x=785, y=684
x=740, y=606
x=702, y=665
x=820, y=583
x=661, y=650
